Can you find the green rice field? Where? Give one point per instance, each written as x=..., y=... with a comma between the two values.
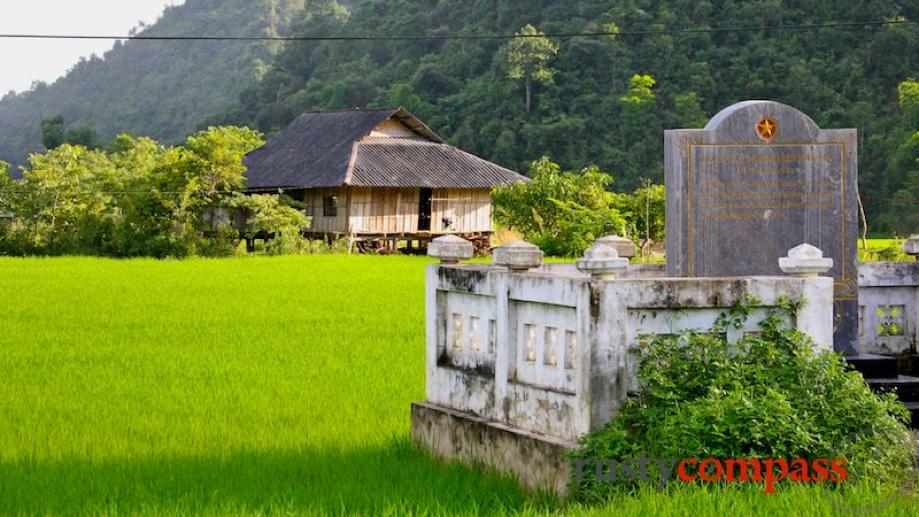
x=254, y=386
x=882, y=250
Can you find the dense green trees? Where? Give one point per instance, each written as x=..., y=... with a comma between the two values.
x=273, y=215
x=141, y=199
x=55, y=134
x=608, y=101
x=564, y=212
x=611, y=96
x=903, y=164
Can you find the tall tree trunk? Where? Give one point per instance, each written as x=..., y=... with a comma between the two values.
x=529, y=93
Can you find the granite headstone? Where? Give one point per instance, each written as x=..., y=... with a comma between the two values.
x=758, y=180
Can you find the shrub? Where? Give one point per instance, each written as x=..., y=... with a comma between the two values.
x=561, y=212
x=767, y=396
x=564, y=212
x=644, y=211
x=273, y=215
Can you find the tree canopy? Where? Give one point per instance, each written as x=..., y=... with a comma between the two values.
x=141, y=199
x=612, y=96
x=528, y=58
x=603, y=100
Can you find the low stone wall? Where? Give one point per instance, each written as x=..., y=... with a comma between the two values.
x=537, y=461
x=550, y=354
x=523, y=359
x=888, y=300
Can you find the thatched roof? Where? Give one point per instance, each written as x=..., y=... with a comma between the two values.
x=336, y=148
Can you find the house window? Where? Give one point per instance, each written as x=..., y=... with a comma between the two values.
x=330, y=206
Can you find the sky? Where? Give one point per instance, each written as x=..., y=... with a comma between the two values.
x=25, y=61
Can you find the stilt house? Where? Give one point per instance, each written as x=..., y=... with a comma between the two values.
x=378, y=175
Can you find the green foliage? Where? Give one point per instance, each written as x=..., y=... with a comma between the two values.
x=908, y=95
x=273, y=215
x=565, y=212
x=768, y=396
x=528, y=59
x=5, y=177
x=640, y=90
x=903, y=216
x=54, y=134
x=141, y=199
x=841, y=77
x=561, y=212
x=644, y=210
x=5, y=181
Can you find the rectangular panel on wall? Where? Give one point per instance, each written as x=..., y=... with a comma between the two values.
x=886, y=319
x=546, y=339
x=666, y=321
x=384, y=211
x=468, y=341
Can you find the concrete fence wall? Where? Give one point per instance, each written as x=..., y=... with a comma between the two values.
x=547, y=351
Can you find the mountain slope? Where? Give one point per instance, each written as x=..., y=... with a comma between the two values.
x=595, y=110
x=163, y=89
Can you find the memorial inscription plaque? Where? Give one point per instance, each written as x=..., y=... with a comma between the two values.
x=758, y=180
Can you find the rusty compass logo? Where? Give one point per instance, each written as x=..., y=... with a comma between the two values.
x=767, y=128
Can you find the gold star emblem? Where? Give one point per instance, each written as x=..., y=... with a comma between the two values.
x=767, y=128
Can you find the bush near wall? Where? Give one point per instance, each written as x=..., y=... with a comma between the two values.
x=768, y=396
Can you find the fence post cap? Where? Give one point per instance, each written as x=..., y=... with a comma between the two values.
x=623, y=245
x=911, y=246
x=450, y=249
x=602, y=260
x=518, y=256
x=805, y=261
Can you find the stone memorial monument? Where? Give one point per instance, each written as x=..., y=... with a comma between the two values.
x=759, y=179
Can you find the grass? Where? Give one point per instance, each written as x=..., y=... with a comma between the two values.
x=247, y=386
x=883, y=250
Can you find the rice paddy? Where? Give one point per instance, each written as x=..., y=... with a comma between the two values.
x=247, y=386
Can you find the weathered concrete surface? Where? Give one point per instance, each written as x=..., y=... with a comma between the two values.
x=639, y=270
x=602, y=260
x=549, y=354
x=624, y=246
x=546, y=356
x=738, y=199
x=911, y=246
x=518, y=256
x=805, y=261
x=888, y=299
x=537, y=461
x=451, y=249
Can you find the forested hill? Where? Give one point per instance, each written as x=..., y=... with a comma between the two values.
x=156, y=88
x=594, y=109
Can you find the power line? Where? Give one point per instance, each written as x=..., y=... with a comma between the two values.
x=848, y=25
x=109, y=192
